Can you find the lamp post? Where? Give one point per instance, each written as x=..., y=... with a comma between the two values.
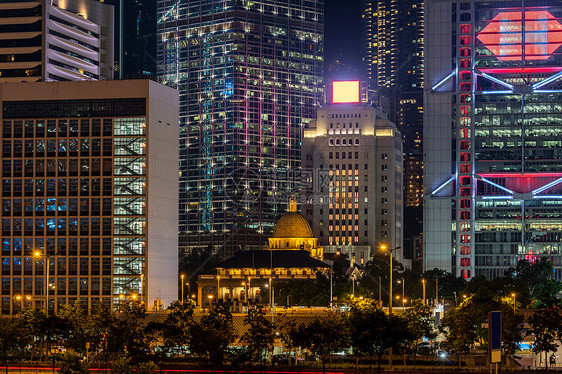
x=249, y=288
x=218, y=287
x=331, y=286
x=384, y=248
x=513, y=296
x=423, y=284
x=380, y=292
x=20, y=299
x=402, y=281
x=45, y=257
x=182, y=277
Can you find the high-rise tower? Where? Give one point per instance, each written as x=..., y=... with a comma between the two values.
x=492, y=129
x=249, y=75
x=393, y=44
x=55, y=40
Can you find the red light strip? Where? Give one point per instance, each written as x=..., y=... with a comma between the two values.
x=517, y=175
x=520, y=70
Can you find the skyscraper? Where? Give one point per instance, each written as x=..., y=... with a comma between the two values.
x=249, y=75
x=393, y=45
x=492, y=127
x=56, y=40
x=135, y=38
x=89, y=193
x=352, y=155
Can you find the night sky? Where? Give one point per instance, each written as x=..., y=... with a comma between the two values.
x=342, y=38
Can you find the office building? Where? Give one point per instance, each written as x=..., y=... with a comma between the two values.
x=492, y=127
x=249, y=75
x=393, y=45
x=56, y=40
x=135, y=38
x=393, y=56
x=89, y=192
x=352, y=166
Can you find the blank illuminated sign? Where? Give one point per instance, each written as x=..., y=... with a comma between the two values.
x=345, y=92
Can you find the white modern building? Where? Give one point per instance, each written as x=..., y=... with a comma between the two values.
x=89, y=186
x=56, y=40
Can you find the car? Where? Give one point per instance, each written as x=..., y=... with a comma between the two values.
x=426, y=348
x=282, y=359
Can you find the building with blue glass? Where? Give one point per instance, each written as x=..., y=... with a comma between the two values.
x=249, y=75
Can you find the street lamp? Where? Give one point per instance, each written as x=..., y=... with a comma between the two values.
x=513, y=296
x=402, y=281
x=182, y=277
x=249, y=288
x=218, y=287
x=423, y=283
x=403, y=303
x=46, y=257
x=384, y=249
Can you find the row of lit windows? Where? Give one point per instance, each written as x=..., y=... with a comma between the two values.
x=60, y=187
x=60, y=206
x=57, y=266
x=57, y=147
x=58, y=286
x=57, y=167
x=60, y=226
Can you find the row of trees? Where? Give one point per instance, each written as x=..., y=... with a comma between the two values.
x=102, y=336
x=528, y=286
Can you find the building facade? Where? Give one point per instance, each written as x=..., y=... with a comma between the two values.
x=249, y=75
x=56, y=40
x=352, y=161
x=89, y=191
x=135, y=38
x=393, y=45
x=492, y=129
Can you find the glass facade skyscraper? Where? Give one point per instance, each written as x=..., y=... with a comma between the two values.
x=249, y=75
x=492, y=130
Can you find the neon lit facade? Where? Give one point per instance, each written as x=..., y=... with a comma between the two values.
x=249, y=75
x=492, y=131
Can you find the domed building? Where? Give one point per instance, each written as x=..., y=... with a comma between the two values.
x=292, y=253
x=293, y=232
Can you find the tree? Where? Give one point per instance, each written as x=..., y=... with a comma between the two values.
x=512, y=328
x=288, y=332
x=460, y=329
x=173, y=332
x=325, y=335
x=211, y=336
x=419, y=322
x=546, y=325
x=10, y=338
x=80, y=328
x=537, y=279
x=260, y=336
x=128, y=333
x=72, y=363
x=373, y=332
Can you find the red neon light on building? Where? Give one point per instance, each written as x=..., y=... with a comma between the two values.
x=503, y=36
